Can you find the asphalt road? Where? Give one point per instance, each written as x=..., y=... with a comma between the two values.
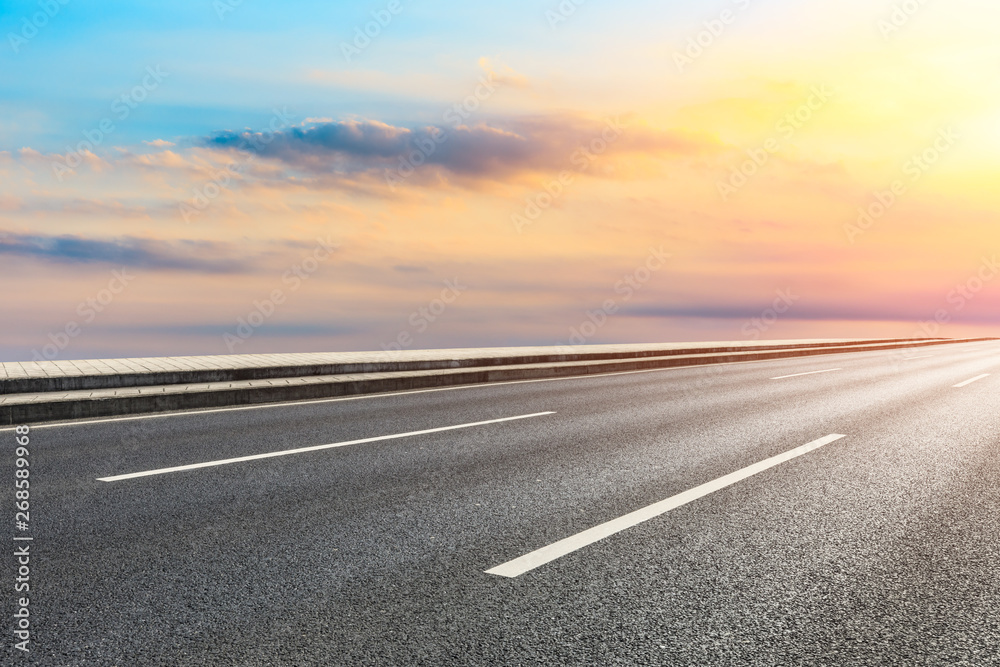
x=879, y=548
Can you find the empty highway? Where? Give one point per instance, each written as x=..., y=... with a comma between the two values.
x=826, y=510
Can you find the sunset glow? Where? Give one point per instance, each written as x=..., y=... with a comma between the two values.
x=274, y=170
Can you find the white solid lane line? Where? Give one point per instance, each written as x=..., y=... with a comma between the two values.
x=922, y=356
x=317, y=401
x=315, y=448
x=829, y=370
x=540, y=557
x=978, y=377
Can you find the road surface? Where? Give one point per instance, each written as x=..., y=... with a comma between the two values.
x=402, y=535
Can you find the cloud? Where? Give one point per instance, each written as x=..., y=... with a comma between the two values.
x=159, y=143
x=197, y=256
x=915, y=309
x=74, y=206
x=504, y=74
x=292, y=329
x=10, y=203
x=495, y=150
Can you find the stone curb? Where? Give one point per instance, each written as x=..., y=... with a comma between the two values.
x=177, y=398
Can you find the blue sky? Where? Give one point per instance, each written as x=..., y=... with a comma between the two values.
x=227, y=73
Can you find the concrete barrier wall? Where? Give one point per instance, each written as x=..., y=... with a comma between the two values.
x=118, y=401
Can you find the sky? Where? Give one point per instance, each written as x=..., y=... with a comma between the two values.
x=227, y=177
